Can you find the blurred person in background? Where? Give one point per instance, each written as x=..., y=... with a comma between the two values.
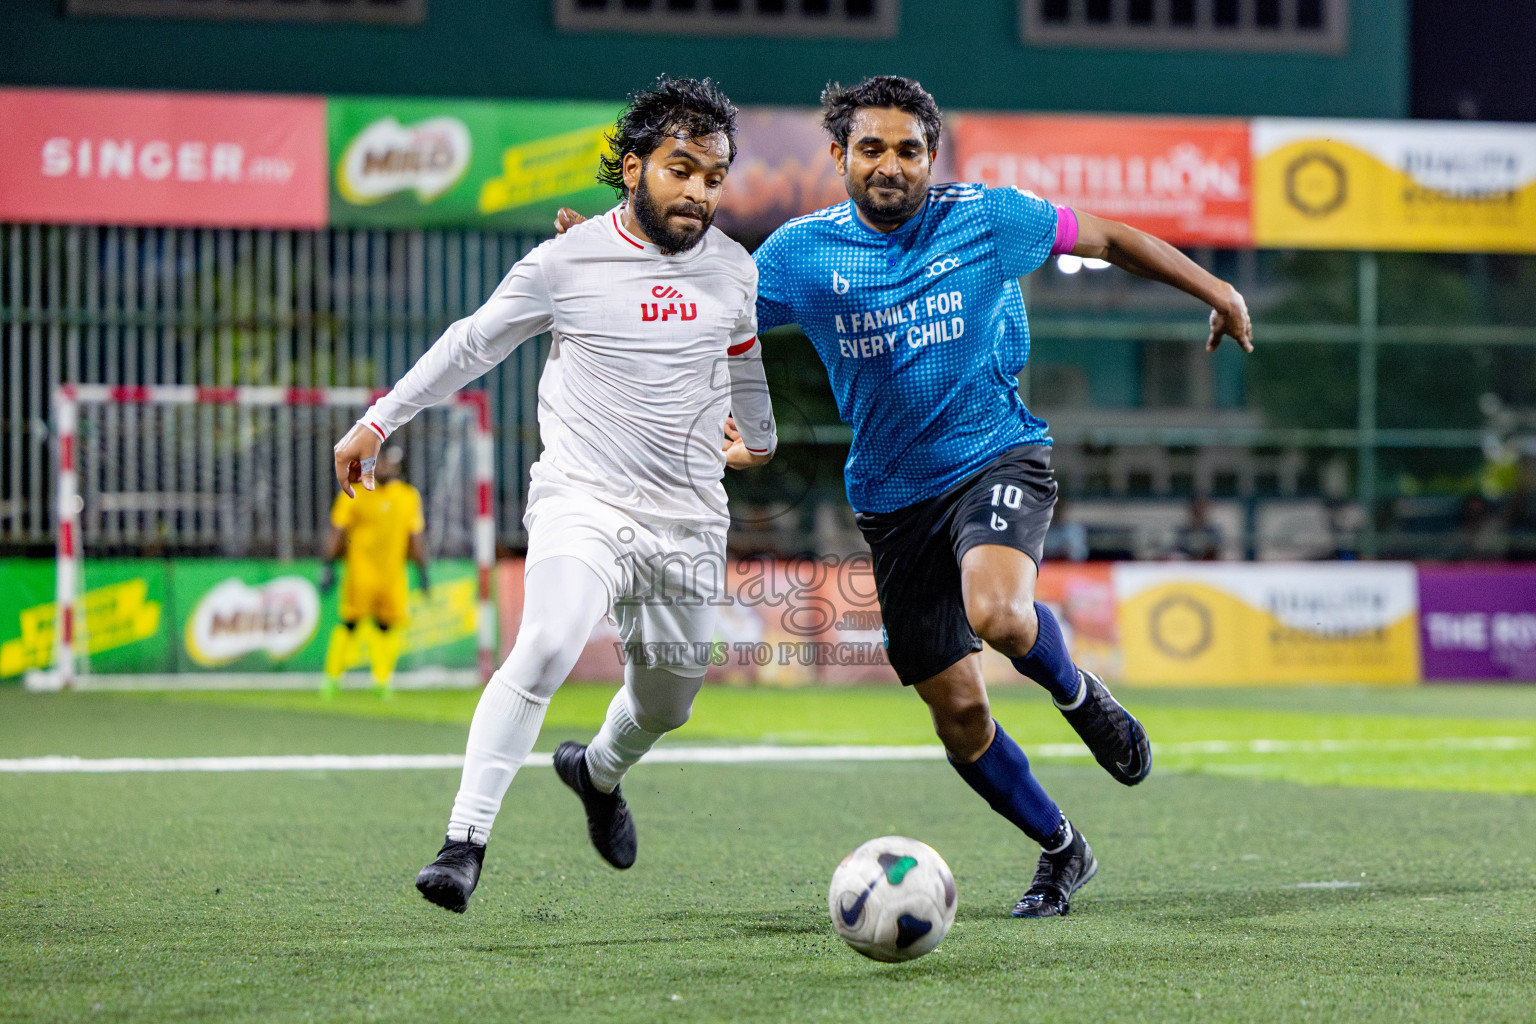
x=1198, y=539
x=1065, y=541
x=376, y=532
x=1520, y=510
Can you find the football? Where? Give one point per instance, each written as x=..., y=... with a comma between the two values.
x=892, y=899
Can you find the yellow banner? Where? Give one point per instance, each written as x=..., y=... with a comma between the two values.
x=115, y=616
x=1428, y=186
x=544, y=169
x=1265, y=625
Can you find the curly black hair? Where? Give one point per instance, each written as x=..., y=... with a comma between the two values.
x=838, y=105
x=674, y=108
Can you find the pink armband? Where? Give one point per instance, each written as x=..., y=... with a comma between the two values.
x=1066, y=231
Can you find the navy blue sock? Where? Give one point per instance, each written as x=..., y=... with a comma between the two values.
x=1048, y=662
x=1003, y=779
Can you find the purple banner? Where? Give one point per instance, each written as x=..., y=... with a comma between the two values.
x=784, y=169
x=1478, y=622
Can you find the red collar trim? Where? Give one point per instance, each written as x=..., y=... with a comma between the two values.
x=623, y=234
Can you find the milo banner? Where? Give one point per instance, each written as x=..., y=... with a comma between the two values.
x=1425, y=186
x=463, y=163
x=1205, y=623
x=217, y=615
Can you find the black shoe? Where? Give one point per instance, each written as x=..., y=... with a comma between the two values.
x=1057, y=877
x=608, y=819
x=449, y=880
x=1117, y=740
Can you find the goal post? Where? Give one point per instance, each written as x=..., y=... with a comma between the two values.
x=468, y=408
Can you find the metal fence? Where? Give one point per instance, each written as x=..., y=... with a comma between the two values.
x=356, y=308
x=221, y=308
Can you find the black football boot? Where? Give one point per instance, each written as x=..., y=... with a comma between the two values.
x=1118, y=742
x=450, y=879
x=609, y=823
x=1057, y=877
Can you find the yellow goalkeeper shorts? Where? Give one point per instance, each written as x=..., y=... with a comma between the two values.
x=366, y=595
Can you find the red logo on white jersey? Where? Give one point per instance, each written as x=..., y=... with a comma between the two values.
x=656, y=311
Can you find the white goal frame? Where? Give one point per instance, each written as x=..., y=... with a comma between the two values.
x=67, y=400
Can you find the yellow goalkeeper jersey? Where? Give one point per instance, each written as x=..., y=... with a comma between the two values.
x=379, y=524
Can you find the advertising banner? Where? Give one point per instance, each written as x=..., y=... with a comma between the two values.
x=1425, y=186
x=784, y=169
x=802, y=621
x=465, y=163
x=1266, y=624
x=1478, y=622
x=97, y=157
x=262, y=615
x=1185, y=180
x=125, y=606
x=213, y=615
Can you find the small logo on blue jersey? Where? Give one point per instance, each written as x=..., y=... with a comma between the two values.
x=840, y=284
x=941, y=265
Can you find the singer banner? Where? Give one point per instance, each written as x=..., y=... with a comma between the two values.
x=76, y=156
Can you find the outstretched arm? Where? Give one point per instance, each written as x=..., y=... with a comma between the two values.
x=1154, y=259
x=517, y=310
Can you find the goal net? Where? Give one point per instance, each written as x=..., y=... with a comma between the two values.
x=190, y=521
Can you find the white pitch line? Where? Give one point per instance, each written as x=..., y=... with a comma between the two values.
x=761, y=754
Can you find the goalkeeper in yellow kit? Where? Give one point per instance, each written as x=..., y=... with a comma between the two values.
x=377, y=530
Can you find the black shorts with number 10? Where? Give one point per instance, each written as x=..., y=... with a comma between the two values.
x=917, y=552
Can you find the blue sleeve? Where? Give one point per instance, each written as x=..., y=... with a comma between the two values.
x=773, y=300
x=1023, y=229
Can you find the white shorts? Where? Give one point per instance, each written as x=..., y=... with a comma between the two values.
x=665, y=581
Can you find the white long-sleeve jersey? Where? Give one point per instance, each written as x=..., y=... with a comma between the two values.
x=650, y=354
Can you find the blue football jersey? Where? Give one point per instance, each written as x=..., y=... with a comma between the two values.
x=922, y=331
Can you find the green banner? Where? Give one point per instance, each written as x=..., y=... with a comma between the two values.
x=218, y=615
x=458, y=163
x=126, y=624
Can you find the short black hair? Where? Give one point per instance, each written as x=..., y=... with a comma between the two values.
x=674, y=108
x=838, y=105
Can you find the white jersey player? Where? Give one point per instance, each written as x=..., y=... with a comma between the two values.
x=655, y=358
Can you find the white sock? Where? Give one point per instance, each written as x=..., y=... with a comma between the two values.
x=505, y=726
x=618, y=745
x=651, y=703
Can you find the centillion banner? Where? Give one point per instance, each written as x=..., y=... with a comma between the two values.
x=1422, y=186
x=1184, y=179
x=1263, y=625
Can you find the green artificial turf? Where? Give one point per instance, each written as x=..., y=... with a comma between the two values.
x=1232, y=887
x=1389, y=728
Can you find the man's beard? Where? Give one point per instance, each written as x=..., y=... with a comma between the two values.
x=653, y=221
x=888, y=211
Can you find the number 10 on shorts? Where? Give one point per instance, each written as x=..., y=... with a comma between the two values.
x=1008, y=496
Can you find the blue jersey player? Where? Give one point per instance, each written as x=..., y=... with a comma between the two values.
x=910, y=294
